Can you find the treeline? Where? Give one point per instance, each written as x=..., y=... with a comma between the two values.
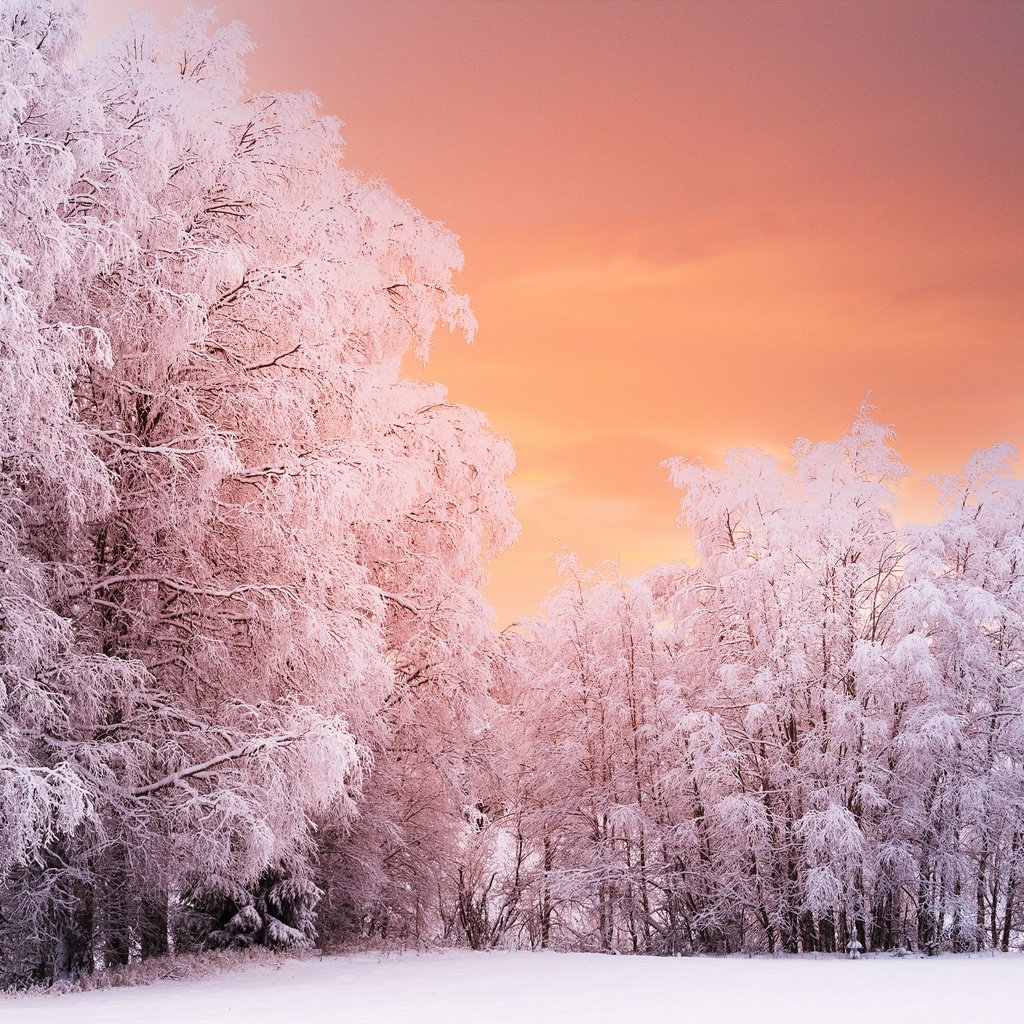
x=811, y=735
x=249, y=688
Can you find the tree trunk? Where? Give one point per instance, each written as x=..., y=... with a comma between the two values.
x=153, y=928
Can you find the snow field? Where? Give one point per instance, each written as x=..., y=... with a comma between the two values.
x=560, y=988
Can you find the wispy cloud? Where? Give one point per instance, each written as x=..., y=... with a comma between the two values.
x=619, y=274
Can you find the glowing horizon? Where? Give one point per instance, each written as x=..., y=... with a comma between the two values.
x=689, y=227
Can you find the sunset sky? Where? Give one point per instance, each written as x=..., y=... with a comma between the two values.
x=689, y=226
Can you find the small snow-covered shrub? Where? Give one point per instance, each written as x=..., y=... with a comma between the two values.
x=276, y=912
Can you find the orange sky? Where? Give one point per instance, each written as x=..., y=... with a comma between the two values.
x=689, y=226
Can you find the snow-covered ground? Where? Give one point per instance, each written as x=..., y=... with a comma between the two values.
x=559, y=988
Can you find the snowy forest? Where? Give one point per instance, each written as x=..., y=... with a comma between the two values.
x=250, y=688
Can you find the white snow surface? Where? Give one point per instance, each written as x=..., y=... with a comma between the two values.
x=537, y=988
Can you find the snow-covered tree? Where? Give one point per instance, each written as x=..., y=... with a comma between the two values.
x=598, y=748
x=236, y=542
x=54, y=683
x=967, y=823
x=432, y=738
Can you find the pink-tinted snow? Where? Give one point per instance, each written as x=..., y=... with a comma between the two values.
x=559, y=988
